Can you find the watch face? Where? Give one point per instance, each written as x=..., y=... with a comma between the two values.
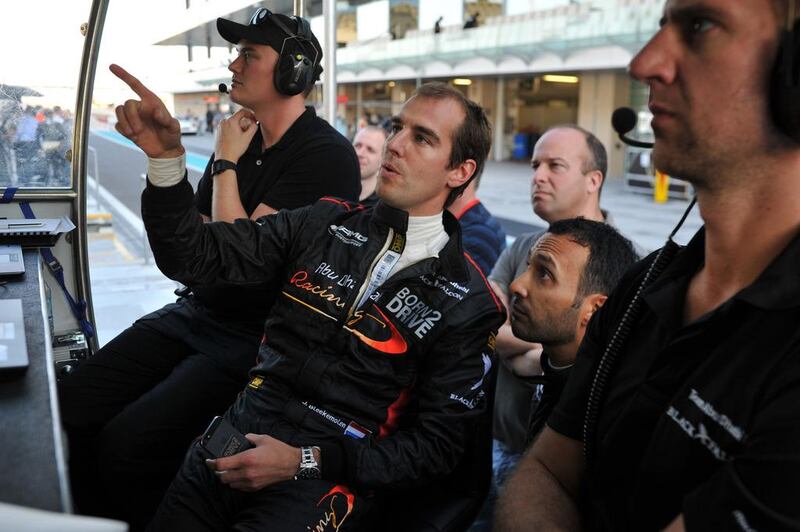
x=308, y=473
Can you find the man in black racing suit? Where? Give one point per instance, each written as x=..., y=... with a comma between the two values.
x=372, y=373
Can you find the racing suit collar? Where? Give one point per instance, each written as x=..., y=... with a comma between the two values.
x=451, y=257
x=395, y=218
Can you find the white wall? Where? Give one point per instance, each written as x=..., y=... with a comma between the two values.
x=372, y=20
x=431, y=10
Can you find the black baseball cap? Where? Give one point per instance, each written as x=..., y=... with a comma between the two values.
x=273, y=29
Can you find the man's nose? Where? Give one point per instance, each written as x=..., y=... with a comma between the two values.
x=517, y=289
x=396, y=143
x=539, y=175
x=657, y=60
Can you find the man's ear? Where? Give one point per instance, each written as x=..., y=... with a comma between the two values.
x=595, y=180
x=591, y=304
x=461, y=174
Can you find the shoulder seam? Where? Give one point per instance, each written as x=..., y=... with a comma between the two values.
x=486, y=282
x=336, y=201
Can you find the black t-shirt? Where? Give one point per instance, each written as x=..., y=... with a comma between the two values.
x=549, y=387
x=700, y=419
x=311, y=160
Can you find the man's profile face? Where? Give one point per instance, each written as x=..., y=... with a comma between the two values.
x=253, y=71
x=368, y=144
x=560, y=188
x=544, y=307
x=708, y=68
x=414, y=174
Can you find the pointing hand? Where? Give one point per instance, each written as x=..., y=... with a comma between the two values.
x=147, y=122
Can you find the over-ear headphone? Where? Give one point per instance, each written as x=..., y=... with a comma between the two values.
x=785, y=82
x=295, y=71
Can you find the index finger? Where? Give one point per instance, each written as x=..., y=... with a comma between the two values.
x=130, y=80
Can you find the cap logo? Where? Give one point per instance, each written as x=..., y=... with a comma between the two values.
x=258, y=16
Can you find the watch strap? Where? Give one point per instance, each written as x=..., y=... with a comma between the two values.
x=220, y=165
x=309, y=467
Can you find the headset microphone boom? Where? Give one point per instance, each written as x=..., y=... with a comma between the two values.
x=624, y=120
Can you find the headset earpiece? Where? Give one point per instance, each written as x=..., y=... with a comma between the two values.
x=295, y=70
x=785, y=83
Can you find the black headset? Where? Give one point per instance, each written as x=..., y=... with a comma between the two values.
x=295, y=71
x=785, y=82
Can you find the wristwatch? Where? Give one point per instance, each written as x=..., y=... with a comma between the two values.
x=309, y=467
x=220, y=165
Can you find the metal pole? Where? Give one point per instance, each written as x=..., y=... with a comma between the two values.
x=329, y=60
x=359, y=103
x=92, y=31
x=499, y=119
x=96, y=175
x=300, y=8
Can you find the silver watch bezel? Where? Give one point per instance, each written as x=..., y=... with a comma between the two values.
x=309, y=467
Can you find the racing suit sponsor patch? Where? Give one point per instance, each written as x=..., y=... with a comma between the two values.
x=339, y=504
x=413, y=312
x=395, y=344
x=352, y=238
x=352, y=429
x=327, y=271
x=471, y=399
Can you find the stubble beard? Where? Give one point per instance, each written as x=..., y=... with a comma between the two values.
x=553, y=330
x=685, y=157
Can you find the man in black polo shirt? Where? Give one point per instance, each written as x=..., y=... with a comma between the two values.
x=131, y=410
x=696, y=425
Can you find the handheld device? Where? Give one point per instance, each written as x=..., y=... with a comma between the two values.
x=221, y=439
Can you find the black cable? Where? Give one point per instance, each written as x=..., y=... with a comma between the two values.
x=615, y=345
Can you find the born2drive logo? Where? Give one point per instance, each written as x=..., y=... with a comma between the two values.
x=412, y=312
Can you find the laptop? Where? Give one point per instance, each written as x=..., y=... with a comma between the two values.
x=11, y=260
x=13, y=347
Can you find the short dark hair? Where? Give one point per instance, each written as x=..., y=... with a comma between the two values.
x=472, y=139
x=598, y=157
x=610, y=253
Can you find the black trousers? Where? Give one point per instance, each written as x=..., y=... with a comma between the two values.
x=131, y=411
x=198, y=501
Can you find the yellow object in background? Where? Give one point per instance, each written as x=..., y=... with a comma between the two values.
x=661, y=188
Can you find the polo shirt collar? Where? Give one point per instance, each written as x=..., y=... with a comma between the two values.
x=666, y=295
x=299, y=125
x=777, y=288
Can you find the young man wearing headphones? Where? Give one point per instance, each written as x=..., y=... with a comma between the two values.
x=698, y=425
x=131, y=410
